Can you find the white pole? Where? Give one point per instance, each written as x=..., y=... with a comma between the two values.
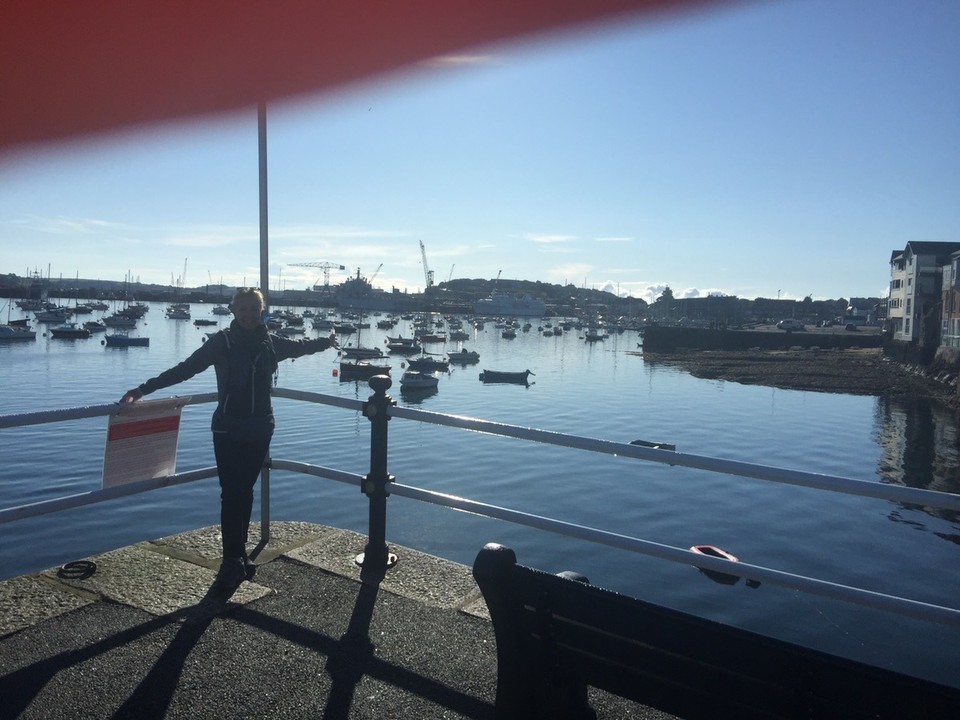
x=264, y=254
x=265, y=289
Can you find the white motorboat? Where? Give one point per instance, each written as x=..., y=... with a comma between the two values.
x=361, y=353
x=418, y=380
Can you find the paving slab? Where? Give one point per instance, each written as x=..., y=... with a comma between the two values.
x=313, y=637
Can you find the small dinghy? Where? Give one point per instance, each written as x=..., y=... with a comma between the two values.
x=498, y=376
x=714, y=551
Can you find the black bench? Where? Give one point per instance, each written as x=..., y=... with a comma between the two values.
x=557, y=635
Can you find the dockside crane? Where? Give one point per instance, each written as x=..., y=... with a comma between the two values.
x=427, y=272
x=325, y=266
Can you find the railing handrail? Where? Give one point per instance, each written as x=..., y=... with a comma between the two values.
x=91, y=497
x=833, y=483
x=904, y=606
x=819, y=481
x=88, y=411
x=792, y=581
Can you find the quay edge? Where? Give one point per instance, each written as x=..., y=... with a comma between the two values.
x=308, y=637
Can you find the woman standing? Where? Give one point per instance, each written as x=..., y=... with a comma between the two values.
x=245, y=358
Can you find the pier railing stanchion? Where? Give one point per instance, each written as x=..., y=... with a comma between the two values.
x=265, y=501
x=376, y=555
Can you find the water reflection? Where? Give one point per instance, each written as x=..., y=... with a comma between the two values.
x=416, y=395
x=920, y=447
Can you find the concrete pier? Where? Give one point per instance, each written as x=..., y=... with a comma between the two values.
x=311, y=636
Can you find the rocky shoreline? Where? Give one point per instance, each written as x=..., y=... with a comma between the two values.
x=854, y=371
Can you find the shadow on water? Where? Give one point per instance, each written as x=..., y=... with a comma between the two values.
x=920, y=448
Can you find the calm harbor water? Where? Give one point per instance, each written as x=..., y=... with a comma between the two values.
x=604, y=390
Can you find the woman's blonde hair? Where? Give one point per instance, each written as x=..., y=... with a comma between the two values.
x=245, y=292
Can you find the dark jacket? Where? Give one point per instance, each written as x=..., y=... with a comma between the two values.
x=244, y=362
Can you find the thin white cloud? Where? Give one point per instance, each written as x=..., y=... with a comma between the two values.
x=570, y=274
x=623, y=239
x=208, y=236
x=546, y=239
x=333, y=232
x=58, y=225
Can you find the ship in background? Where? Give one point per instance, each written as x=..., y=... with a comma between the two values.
x=358, y=293
x=501, y=303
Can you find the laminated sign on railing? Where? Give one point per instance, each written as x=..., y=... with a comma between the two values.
x=142, y=441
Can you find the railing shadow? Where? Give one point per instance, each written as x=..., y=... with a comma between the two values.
x=353, y=657
x=152, y=696
x=349, y=660
x=355, y=650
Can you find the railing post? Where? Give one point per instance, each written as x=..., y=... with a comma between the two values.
x=376, y=555
x=265, y=501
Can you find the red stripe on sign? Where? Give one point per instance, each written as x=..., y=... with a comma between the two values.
x=139, y=428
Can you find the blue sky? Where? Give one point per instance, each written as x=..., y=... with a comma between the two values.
x=760, y=149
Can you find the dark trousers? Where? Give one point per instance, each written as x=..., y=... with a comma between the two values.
x=238, y=465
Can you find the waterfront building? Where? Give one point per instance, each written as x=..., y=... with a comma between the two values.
x=950, y=320
x=915, y=287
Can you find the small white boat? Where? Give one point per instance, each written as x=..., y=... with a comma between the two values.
x=178, y=311
x=403, y=346
x=428, y=363
x=363, y=353
x=56, y=315
x=120, y=321
x=361, y=370
x=122, y=338
x=418, y=380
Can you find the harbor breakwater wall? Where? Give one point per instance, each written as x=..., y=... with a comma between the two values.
x=675, y=339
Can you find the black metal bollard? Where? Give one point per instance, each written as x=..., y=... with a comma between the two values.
x=376, y=555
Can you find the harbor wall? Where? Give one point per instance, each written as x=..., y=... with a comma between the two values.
x=661, y=339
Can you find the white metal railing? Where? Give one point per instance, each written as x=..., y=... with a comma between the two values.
x=904, y=606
